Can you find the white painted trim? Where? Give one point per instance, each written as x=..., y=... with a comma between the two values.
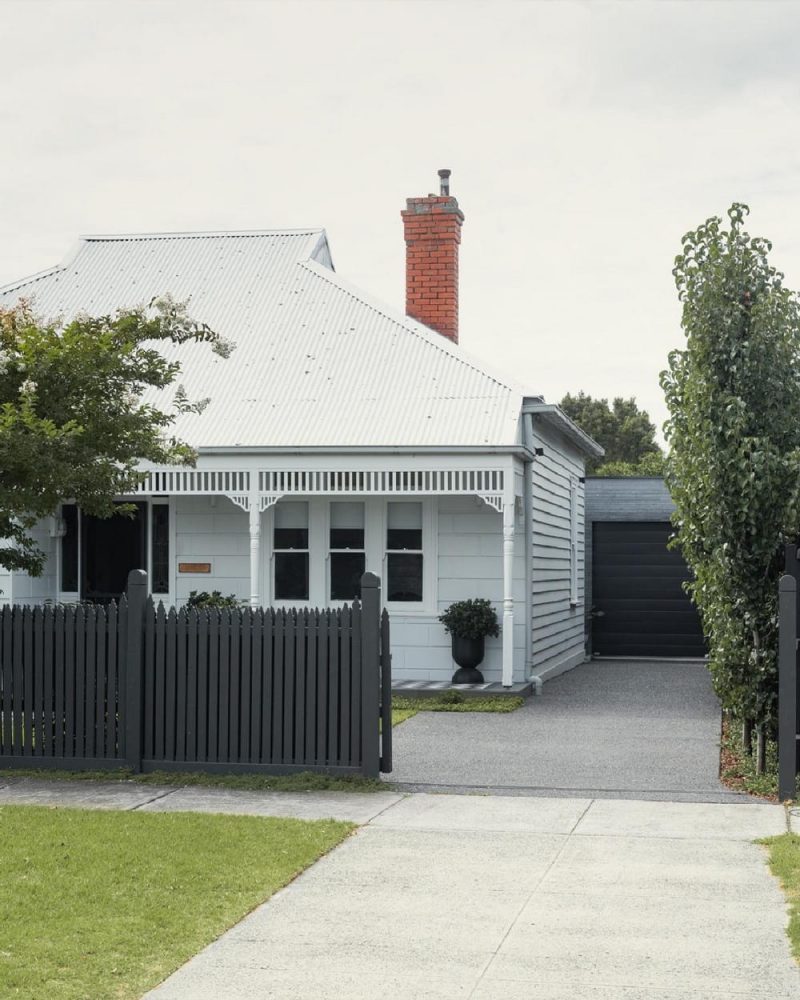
x=430, y=560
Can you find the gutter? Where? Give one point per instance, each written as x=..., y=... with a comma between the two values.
x=555, y=417
x=521, y=451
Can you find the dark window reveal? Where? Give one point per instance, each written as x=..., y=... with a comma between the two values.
x=404, y=577
x=69, y=549
x=160, y=553
x=347, y=568
x=291, y=576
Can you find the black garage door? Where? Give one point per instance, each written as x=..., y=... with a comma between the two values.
x=636, y=588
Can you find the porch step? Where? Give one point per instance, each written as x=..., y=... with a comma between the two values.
x=494, y=689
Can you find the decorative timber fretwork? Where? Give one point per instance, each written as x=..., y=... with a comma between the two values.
x=266, y=487
x=197, y=482
x=493, y=500
x=382, y=481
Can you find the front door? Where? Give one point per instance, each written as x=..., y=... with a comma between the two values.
x=112, y=547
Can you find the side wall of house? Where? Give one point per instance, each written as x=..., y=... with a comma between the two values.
x=557, y=621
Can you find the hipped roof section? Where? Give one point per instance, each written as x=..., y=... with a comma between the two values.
x=317, y=363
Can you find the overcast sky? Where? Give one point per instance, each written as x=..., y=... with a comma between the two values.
x=584, y=138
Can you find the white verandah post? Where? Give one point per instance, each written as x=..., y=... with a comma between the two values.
x=509, y=509
x=255, y=548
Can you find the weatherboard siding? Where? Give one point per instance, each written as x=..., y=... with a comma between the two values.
x=469, y=564
x=557, y=627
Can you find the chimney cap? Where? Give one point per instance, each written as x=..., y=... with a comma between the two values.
x=444, y=181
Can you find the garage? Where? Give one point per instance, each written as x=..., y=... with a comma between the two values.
x=639, y=605
x=635, y=602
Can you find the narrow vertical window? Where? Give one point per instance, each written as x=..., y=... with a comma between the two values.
x=290, y=544
x=404, y=552
x=573, y=541
x=346, y=543
x=69, y=549
x=160, y=548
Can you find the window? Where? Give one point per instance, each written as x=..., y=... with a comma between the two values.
x=290, y=544
x=69, y=549
x=159, y=556
x=573, y=541
x=346, y=543
x=404, y=559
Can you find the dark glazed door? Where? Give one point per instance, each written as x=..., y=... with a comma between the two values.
x=640, y=607
x=112, y=547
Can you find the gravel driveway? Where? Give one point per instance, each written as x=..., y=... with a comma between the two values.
x=609, y=728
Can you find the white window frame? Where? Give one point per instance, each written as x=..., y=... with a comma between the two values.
x=312, y=544
x=375, y=522
x=428, y=604
x=329, y=550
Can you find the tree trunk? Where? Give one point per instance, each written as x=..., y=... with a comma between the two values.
x=747, y=736
x=761, y=751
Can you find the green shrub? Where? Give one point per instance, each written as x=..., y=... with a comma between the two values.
x=202, y=599
x=472, y=619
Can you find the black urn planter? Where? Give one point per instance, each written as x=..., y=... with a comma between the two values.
x=467, y=653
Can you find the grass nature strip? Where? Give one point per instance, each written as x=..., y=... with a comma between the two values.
x=306, y=781
x=101, y=905
x=784, y=862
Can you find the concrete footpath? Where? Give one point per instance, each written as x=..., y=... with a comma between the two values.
x=512, y=898
x=493, y=898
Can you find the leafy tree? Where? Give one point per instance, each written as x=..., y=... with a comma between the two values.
x=625, y=432
x=652, y=464
x=73, y=425
x=734, y=430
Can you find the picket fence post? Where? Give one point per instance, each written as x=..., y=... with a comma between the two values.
x=136, y=593
x=370, y=669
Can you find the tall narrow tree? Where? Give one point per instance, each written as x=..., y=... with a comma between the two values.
x=734, y=401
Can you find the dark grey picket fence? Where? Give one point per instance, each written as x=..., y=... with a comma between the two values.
x=789, y=676
x=134, y=685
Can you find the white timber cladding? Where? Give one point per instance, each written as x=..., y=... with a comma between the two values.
x=557, y=553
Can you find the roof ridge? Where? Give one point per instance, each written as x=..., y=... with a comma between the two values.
x=198, y=234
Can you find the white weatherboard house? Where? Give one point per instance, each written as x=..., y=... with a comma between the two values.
x=341, y=436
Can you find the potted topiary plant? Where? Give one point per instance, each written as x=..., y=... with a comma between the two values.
x=469, y=622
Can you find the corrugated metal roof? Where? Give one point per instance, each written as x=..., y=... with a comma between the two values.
x=316, y=363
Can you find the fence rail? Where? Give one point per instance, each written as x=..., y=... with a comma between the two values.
x=216, y=690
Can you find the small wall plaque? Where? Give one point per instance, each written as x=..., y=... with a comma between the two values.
x=194, y=567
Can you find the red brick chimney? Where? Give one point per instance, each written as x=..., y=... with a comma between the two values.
x=432, y=228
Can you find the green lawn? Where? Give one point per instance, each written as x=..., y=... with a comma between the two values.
x=784, y=860
x=450, y=701
x=305, y=781
x=100, y=905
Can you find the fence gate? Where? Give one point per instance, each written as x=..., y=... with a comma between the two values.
x=202, y=690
